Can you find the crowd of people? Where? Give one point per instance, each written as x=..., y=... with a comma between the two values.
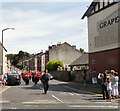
x=36, y=76
x=109, y=84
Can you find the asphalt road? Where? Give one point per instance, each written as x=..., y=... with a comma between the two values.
x=61, y=96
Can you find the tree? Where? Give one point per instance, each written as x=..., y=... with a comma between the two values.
x=15, y=58
x=53, y=65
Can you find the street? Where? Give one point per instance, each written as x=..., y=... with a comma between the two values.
x=61, y=95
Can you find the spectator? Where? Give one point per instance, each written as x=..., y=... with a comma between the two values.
x=84, y=76
x=109, y=88
x=94, y=77
x=103, y=77
x=115, y=78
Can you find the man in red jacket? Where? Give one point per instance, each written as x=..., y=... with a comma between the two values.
x=36, y=77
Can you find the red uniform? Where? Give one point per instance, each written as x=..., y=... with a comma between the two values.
x=37, y=74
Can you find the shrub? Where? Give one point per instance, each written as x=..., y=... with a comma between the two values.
x=53, y=65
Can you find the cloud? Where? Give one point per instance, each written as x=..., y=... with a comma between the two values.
x=35, y=29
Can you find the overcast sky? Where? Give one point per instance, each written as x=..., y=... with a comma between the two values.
x=40, y=24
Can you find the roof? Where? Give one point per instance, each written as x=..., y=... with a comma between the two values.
x=82, y=60
x=89, y=10
x=92, y=6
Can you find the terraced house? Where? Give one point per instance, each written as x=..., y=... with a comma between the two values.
x=104, y=34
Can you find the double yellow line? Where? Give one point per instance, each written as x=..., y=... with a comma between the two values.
x=6, y=88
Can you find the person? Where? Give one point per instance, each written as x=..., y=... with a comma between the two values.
x=109, y=88
x=5, y=78
x=45, y=79
x=94, y=77
x=84, y=76
x=36, y=77
x=103, y=77
x=115, y=78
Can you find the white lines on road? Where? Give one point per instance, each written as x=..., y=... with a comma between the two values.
x=78, y=90
x=4, y=101
x=69, y=93
x=41, y=101
x=94, y=106
x=57, y=99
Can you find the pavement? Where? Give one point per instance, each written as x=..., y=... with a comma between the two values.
x=87, y=88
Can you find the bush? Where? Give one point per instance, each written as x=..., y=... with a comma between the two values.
x=53, y=65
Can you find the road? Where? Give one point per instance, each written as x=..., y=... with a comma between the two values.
x=61, y=95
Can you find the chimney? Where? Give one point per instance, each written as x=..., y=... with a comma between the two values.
x=50, y=47
x=59, y=43
x=73, y=46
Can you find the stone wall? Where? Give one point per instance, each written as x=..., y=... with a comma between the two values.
x=76, y=76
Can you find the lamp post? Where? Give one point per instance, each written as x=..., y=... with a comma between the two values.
x=3, y=45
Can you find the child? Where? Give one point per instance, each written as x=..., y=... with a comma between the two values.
x=109, y=88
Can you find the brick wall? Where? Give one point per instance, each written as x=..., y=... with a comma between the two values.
x=103, y=60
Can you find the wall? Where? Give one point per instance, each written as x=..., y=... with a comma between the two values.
x=43, y=62
x=103, y=38
x=61, y=75
x=76, y=76
x=64, y=52
x=0, y=58
x=105, y=60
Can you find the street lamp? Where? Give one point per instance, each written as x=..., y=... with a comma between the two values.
x=3, y=45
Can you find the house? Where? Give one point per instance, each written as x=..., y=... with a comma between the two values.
x=64, y=52
x=80, y=63
x=44, y=60
x=104, y=35
x=37, y=62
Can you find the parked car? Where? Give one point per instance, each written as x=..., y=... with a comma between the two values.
x=13, y=79
x=50, y=76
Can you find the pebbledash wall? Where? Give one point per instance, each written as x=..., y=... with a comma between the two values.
x=64, y=52
x=104, y=36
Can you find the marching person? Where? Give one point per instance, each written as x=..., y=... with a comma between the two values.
x=45, y=79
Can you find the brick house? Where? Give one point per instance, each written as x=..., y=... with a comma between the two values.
x=104, y=35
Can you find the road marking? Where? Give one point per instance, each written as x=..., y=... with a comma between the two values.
x=3, y=90
x=57, y=99
x=71, y=94
x=41, y=102
x=4, y=101
x=78, y=90
x=91, y=106
x=99, y=95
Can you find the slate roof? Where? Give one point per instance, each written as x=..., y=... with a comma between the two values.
x=82, y=60
x=92, y=6
x=89, y=10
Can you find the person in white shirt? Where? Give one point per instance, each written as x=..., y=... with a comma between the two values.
x=109, y=88
x=115, y=91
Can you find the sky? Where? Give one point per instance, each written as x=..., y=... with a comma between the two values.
x=42, y=24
